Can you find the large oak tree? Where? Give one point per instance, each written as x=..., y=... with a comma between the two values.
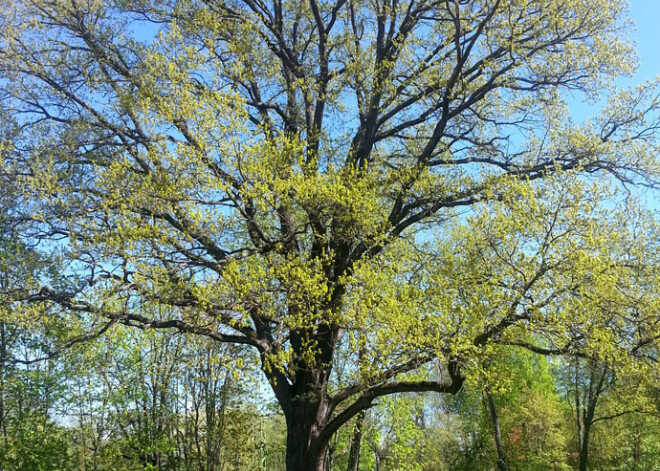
x=354, y=190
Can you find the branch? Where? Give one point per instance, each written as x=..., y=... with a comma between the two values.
x=143, y=322
x=540, y=350
x=614, y=416
x=410, y=365
x=70, y=343
x=365, y=401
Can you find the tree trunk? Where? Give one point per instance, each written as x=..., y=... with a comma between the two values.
x=3, y=356
x=588, y=414
x=356, y=444
x=588, y=420
x=304, y=399
x=584, y=447
x=501, y=457
x=330, y=454
x=301, y=452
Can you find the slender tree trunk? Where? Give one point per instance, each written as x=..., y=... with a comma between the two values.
x=330, y=454
x=210, y=398
x=3, y=356
x=356, y=444
x=501, y=456
x=584, y=447
x=637, y=449
x=585, y=423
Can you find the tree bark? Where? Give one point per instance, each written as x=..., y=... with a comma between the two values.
x=356, y=444
x=3, y=356
x=584, y=446
x=501, y=456
x=588, y=413
x=303, y=452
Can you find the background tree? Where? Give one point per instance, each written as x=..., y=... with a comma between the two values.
x=598, y=397
x=31, y=393
x=286, y=176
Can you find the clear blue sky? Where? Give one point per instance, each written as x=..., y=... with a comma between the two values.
x=646, y=15
x=645, y=34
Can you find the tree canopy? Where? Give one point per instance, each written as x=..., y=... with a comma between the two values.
x=355, y=191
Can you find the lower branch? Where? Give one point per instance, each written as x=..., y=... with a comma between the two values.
x=365, y=401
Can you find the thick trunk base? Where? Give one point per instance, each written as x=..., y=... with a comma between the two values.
x=300, y=458
x=302, y=452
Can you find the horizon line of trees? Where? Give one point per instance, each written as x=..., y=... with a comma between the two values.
x=157, y=400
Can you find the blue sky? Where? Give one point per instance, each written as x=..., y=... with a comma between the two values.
x=646, y=15
x=645, y=34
